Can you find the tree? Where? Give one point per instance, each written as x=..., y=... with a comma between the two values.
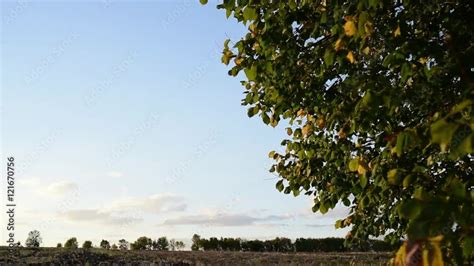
x=161, y=243
x=104, y=244
x=142, y=243
x=114, y=247
x=123, y=244
x=59, y=245
x=71, y=243
x=87, y=244
x=179, y=245
x=378, y=98
x=34, y=239
x=172, y=244
x=196, y=242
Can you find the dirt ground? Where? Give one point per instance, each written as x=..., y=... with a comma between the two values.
x=62, y=256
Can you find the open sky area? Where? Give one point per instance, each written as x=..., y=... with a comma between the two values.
x=123, y=122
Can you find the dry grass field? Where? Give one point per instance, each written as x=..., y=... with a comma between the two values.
x=62, y=256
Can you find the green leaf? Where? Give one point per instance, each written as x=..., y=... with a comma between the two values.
x=296, y=192
x=279, y=185
x=394, y=176
x=406, y=71
x=203, y=2
x=468, y=247
x=323, y=209
x=409, y=209
x=250, y=14
x=250, y=112
x=338, y=224
x=462, y=142
x=346, y=202
x=363, y=181
x=442, y=132
x=292, y=4
x=405, y=140
x=271, y=154
x=354, y=164
x=458, y=189
x=329, y=57
x=265, y=118
x=408, y=180
x=251, y=73
x=461, y=106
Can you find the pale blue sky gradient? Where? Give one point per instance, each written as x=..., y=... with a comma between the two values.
x=110, y=107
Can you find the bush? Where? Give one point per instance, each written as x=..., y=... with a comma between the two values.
x=71, y=243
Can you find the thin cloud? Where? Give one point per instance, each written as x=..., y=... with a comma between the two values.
x=94, y=215
x=223, y=220
x=114, y=174
x=319, y=225
x=57, y=188
x=61, y=187
x=156, y=203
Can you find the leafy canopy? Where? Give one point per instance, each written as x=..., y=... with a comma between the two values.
x=34, y=239
x=378, y=96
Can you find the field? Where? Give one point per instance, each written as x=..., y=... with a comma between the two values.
x=47, y=256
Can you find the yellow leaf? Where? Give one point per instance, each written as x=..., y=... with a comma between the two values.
x=350, y=57
x=342, y=134
x=289, y=131
x=363, y=168
x=425, y=255
x=273, y=122
x=238, y=60
x=350, y=28
x=366, y=50
x=368, y=27
x=339, y=45
x=321, y=122
x=306, y=129
x=437, y=256
x=401, y=255
x=423, y=60
x=301, y=112
x=436, y=238
x=397, y=32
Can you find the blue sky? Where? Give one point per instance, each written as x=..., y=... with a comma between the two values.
x=124, y=122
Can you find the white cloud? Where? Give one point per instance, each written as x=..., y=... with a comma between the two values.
x=57, y=188
x=115, y=174
x=94, y=215
x=224, y=219
x=153, y=204
x=60, y=188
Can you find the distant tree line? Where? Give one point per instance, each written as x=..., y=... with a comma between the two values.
x=282, y=244
x=142, y=243
x=279, y=244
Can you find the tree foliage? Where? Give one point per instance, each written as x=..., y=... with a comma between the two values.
x=142, y=243
x=71, y=243
x=87, y=244
x=281, y=244
x=176, y=245
x=104, y=244
x=378, y=96
x=123, y=244
x=195, y=242
x=161, y=243
x=34, y=239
